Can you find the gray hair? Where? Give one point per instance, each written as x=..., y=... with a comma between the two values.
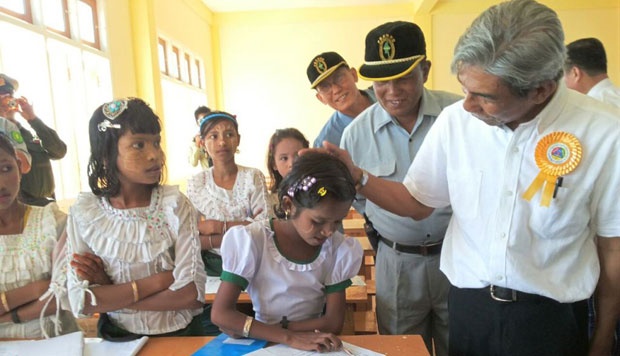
x=520, y=41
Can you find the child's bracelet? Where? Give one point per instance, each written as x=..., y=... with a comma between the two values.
x=224, y=228
x=247, y=326
x=14, y=317
x=210, y=242
x=5, y=303
x=136, y=295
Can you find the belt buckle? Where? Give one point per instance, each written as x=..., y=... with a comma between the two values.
x=492, y=291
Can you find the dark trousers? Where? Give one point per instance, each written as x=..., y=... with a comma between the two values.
x=482, y=326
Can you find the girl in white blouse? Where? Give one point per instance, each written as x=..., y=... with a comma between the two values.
x=295, y=268
x=134, y=243
x=32, y=275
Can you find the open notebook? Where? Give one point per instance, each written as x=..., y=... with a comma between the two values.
x=73, y=344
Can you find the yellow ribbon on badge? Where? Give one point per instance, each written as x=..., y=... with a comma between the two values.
x=557, y=154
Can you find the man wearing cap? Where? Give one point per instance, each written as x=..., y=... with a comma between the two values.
x=532, y=173
x=37, y=186
x=411, y=291
x=585, y=70
x=335, y=84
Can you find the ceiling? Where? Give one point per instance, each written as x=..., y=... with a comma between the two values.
x=252, y=5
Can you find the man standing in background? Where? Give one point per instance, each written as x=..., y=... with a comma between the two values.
x=37, y=186
x=585, y=70
x=412, y=292
x=335, y=84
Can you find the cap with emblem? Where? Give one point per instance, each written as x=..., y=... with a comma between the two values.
x=322, y=66
x=8, y=85
x=393, y=50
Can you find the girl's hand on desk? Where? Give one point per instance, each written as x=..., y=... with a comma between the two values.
x=90, y=267
x=315, y=341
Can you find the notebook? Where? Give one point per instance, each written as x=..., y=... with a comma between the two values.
x=223, y=345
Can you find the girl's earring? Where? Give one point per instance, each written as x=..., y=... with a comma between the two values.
x=237, y=150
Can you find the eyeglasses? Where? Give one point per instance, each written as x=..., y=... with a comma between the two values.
x=337, y=78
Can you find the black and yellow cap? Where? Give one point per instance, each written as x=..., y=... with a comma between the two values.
x=393, y=50
x=322, y=66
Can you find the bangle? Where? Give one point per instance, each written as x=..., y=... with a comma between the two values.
x=224, y=228
x=5, y=303
x=136, y=295
x=361, y=182
x=247, y=326
x=15, y=317
x=210, y=242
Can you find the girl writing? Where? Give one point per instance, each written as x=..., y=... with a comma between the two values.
x=32, y=276
x=281, y=153
x=295, y=268
x=136, y=253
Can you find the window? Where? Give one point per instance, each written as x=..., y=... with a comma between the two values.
x=196, y=79
x=56, y=16
x=187, y=67
x=64, y=78
x=88, y=23
x=163, y=56
x=174, y=63
x=17, y=8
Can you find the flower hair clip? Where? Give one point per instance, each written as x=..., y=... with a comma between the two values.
x=111, y=111
x=303, y=184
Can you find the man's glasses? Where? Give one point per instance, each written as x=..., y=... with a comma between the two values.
x=337, y=78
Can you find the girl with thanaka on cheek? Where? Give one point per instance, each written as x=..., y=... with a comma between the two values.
x=32, y=277
x=295, y=268
x=133, y=241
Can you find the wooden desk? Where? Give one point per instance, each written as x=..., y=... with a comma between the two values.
x=355, y=295
x=354, y=227
x=391, y=345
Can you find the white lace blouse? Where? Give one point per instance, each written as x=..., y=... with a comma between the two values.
x=134, y=244
x=27, y=257
x=248, y=196
x=279, y=286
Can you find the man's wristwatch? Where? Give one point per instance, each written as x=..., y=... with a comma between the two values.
x=362, y=181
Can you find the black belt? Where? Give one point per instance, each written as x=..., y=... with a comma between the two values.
x=508, y=295
x=424, y=250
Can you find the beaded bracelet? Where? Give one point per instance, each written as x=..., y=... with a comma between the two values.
x=14, y=317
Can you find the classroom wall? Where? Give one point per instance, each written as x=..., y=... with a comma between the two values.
x=256, y=61
x=264, y=55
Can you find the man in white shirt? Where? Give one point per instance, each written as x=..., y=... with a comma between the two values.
x=585, y=70
x=532, y=173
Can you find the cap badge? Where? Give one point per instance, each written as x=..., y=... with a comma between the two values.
x=320, y=65
x=387, y=50
x=17, y=136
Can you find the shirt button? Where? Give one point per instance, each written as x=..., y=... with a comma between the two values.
x=515, y=150
x=509, y=193
x=499, y=278
x=503, y=235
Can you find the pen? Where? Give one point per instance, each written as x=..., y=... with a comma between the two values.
x=347, y=351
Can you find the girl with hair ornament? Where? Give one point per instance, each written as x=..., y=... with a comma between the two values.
x=295, y=268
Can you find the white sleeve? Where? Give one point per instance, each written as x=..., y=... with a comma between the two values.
x=188, y=264
x=259, y=198
x=347, y=263
x=241, y=253
x=76, y=288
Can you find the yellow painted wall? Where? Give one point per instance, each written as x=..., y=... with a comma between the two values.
x=255, y=62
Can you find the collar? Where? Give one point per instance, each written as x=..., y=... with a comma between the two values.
x=428, y=107
x=554, y=108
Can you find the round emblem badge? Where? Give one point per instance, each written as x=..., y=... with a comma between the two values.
x=558, y=153
x=320, y=65
x=387, y=49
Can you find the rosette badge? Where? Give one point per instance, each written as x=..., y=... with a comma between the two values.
x=557, y=154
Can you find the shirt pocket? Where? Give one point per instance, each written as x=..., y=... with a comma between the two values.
x=567, y=215
x=382, y=169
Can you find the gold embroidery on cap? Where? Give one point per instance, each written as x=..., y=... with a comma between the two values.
x=320, y=65
x=387, y=50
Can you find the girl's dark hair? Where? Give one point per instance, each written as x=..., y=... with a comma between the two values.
x=7, y=146
x=276, y=138
x=329, y=177
x=205, y=126
x=137, y=118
